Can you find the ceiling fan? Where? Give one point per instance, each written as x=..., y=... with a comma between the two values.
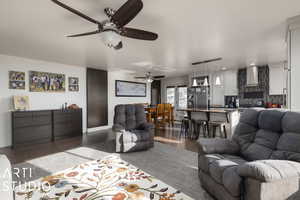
x=207, y=61
x=150, y=78
x=114, y=27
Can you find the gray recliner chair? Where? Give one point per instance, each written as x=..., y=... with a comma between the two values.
x=133, y=132
x=260, y=162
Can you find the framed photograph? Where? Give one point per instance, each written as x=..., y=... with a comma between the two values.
x=21, y=102
x=130, y=89
x=16, y=80
x=46, y=82
x=73, y=84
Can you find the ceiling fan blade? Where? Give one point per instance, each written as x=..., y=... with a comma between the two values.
x=207, y=61
x=138, y=34
x=127, y=12
x=159, y=77
x=85, y=34
x=76, y=12
x=119, y=46
x=140, y=77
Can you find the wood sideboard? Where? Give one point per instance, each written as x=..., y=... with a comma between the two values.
x=32, y=127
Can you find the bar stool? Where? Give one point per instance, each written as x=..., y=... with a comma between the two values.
x=200, y=122
x=185, y=126
x=221, y=126
x=218, y=121
x=197, y=126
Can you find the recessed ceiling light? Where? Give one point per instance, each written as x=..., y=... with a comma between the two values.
x=224, y=68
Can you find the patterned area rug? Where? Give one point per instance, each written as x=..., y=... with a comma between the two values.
x=110, y=178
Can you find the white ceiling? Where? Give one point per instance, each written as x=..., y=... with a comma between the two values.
x=240, y=31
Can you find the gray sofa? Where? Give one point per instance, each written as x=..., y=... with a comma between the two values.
x=260, y=162
x=133, y=133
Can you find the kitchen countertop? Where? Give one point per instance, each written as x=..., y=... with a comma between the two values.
x=211, y=110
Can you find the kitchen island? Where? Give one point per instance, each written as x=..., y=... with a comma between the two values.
x=230, y=116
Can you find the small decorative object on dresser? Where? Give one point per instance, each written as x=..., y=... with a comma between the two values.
x=73, y=84
x=46, y=82
x=21, y=102
x=17, y=80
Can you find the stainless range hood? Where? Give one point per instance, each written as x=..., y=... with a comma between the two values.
x=252, y=76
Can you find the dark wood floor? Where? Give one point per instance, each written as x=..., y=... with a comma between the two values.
x=21, y=154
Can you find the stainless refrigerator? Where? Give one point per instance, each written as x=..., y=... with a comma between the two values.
x=198, y=97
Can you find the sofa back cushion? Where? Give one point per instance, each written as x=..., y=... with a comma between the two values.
x=288, y=146
x=130, y=116
x=258, y=133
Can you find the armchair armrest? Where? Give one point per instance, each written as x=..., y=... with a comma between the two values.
x=145, y=126
x=214, y=146
x=269, y=170
x=118, y=128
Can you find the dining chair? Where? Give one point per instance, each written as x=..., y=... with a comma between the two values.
x=168, y=112
x=160, y=114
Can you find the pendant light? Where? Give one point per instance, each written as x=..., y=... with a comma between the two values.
x=205, y=82
x=195, y=84
x=218, y=81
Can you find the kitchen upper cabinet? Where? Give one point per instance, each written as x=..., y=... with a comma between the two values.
x=230, y=83
x=277, y=80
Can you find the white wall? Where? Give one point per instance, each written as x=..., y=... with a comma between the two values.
x=295, y=69
x=113, y=100
x=37, y=100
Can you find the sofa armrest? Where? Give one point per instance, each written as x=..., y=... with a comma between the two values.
x=269, y=170
x=217, y=145
x=118, y=128
x=145, y=126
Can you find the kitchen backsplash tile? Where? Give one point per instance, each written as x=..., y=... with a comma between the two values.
x=253, y=95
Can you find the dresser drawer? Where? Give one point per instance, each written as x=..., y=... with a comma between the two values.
x=33, y=120
x=32, y=134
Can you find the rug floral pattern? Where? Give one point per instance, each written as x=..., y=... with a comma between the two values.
x=108, y=179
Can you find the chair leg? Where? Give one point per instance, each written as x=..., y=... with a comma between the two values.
x=186, y=129
x=225, y=132
x=181, y=129
x=214, y=131
x=203, y=129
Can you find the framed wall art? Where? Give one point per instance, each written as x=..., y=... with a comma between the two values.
x=130, y=89
x=16, y=80
x=21, y=102
x=46, y=82
x=73, y=84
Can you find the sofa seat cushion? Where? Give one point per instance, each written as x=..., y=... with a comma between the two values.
x=223, y=169
x=136, y=136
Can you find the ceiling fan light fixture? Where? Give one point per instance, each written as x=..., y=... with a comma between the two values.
x=149, y=80
x=111, y=38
